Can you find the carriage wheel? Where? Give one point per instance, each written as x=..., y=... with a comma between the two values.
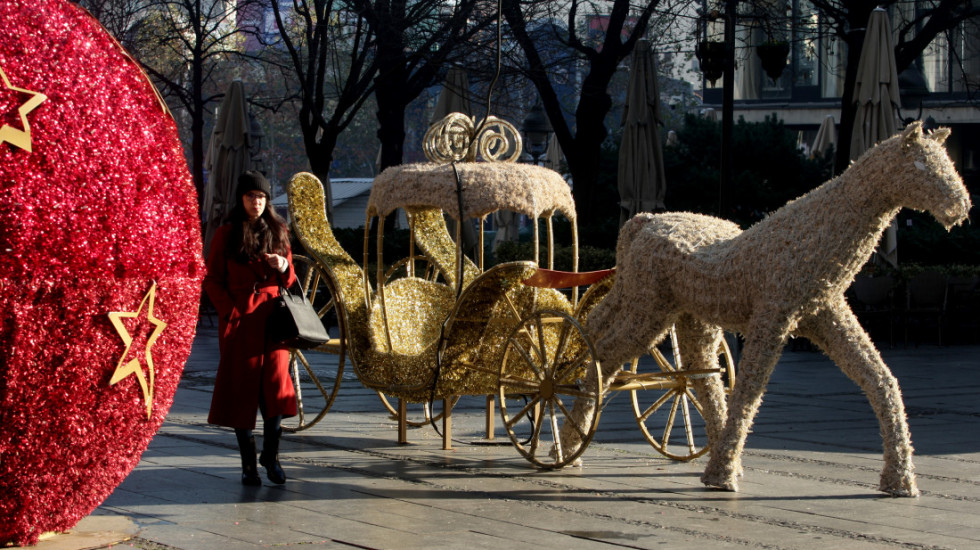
x=673, y=423
x=316, y=373
x=548, y=363
x=419, y=414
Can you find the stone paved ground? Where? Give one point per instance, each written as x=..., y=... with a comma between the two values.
x=811, y=472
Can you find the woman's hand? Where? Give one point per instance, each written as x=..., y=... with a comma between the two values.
x=277, y=262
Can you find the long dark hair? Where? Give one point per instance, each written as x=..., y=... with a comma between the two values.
x=249, y=240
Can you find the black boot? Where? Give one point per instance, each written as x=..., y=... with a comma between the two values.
x=270, y=457
x=250, y=471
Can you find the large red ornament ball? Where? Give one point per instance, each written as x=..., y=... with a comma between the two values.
x=98, y=216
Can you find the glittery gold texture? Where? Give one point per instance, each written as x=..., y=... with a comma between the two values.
x=394, y=343
x=432, y=237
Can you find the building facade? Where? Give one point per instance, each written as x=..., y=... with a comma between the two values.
x=939, y=88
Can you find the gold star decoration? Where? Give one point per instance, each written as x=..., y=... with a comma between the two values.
x=126, y=368
x=13, y=136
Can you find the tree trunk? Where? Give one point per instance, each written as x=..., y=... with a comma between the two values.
x=391, y=128
x=197, y=113
x=320, y=160
x=594, y=105
x=197, y=151
x=390, y=93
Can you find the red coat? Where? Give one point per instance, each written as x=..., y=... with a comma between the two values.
x=242, y=294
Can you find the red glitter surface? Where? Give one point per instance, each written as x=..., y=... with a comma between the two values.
x=99, y=209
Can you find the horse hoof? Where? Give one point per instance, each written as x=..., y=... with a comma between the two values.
x=905, y=489
x=720, y=484
x=577, y=463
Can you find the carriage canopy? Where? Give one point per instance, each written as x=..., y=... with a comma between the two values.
x=486, y=186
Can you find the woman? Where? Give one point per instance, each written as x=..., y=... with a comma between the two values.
x=249, y=260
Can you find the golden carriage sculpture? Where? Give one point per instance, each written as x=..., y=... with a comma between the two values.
x=436, y=325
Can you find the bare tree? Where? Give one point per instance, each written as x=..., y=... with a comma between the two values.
x=185, y=46
x=624, y=24
x=415, y=41
x=119, y=17
x=333, y=58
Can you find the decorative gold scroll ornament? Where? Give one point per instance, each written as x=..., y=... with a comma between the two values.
x=457, y=138
x=124, y=368
x=13, y=136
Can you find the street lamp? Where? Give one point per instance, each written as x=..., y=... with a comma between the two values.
x=537, y=130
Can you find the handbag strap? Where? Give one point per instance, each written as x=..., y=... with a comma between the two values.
x=288, y=290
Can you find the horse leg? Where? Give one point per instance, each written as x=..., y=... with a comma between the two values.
x=698, y=343
x=581, y=412
x=762, y=349
x=837, y=332
x=613, y=339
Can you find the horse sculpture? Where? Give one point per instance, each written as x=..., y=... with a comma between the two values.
x=784, y=276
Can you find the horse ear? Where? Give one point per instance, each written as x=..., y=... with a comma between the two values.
x=913, y=132
x=940, y=134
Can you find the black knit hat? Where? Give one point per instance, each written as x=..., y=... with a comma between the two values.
x=252, y=180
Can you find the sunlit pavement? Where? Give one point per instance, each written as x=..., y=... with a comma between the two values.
x=811, y=471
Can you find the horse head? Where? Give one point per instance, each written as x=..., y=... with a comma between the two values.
x=925, y=178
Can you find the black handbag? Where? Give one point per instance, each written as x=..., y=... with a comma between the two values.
x=294, y=323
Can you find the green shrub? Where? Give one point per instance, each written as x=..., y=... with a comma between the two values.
x=769, y=170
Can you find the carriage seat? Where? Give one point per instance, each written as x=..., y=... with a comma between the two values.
x=414, y=309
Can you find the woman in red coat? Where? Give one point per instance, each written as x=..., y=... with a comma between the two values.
x=249, y=260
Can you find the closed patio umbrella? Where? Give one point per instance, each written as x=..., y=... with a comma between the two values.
x=876, y=90
x=826, y=137
x=227, y=157
x=553, y=155
x=454, y=97
x=641, y=179
x=876, y=95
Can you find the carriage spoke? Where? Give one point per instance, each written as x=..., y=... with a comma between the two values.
x=309, y=370
x=520, y=385
x=528, y=360
x=687, y=423
x=662, y=361
x=298, y=389
x=575, y=425
x=573, y=391
x=554, y=432
x=655, y=407
x=694, y=401
x=536, y=431
x=517, y=417
x=541, y=345
x=562, y=342
x=670, y=420
x=572, y=366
